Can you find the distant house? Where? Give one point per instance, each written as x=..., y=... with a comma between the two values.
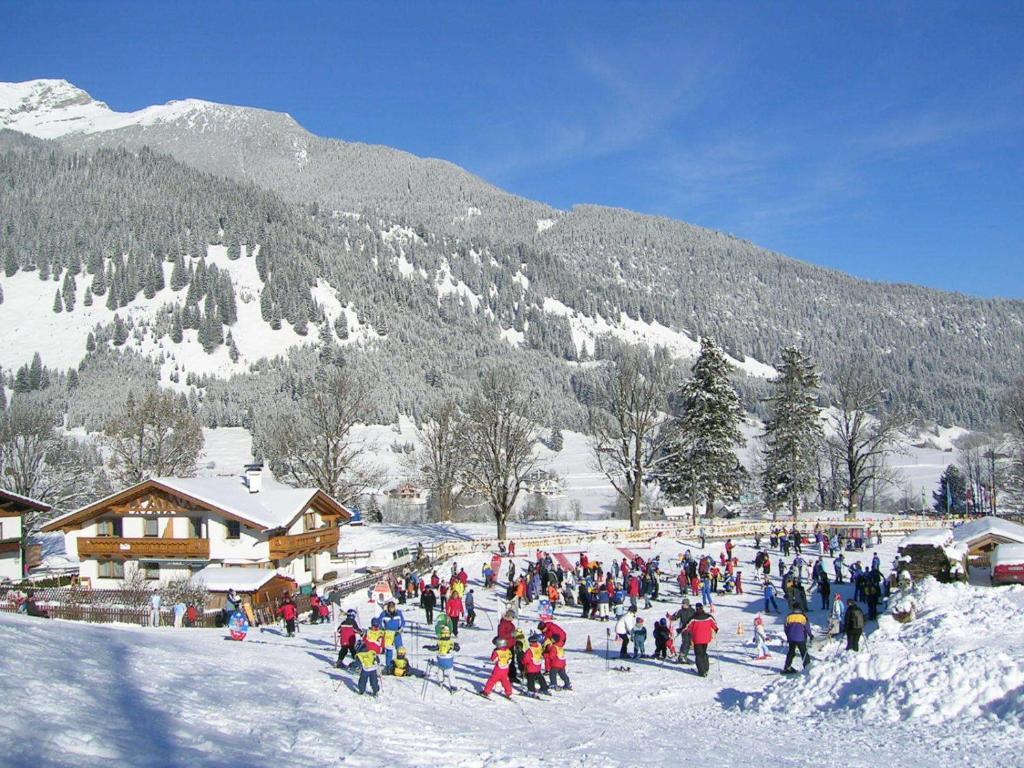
x=12, y=508
x=543, y=483
x=982, y=536
x=172, y=526
x=408, y=492
x=933, y=552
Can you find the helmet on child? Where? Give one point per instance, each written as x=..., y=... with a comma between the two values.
x=445, y=632
x=350, y=612
x=501, y=643
x=375, y=623
x=401, y=653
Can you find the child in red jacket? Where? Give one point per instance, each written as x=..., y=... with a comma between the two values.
x=289, y=613
x=502, y=658
x=554, y=660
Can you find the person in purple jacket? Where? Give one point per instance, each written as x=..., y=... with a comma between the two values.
x=798, y=633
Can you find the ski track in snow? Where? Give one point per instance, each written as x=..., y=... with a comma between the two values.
x=89, y=695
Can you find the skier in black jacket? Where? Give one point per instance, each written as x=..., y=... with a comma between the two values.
x=854, y=626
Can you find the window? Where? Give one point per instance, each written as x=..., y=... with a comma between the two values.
x=307, y=563
x=109, y=528
x=195, y=527
x=309, y=520
x=111, y=569
x=234, y=529
x=152, y=527
x=152, y=571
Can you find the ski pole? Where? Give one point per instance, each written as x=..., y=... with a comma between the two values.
x=607, y=646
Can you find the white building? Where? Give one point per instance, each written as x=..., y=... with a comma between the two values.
x=172, y=526
x=12, y=508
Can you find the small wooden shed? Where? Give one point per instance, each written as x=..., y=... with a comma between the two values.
x=257, y=586
x=933, y=552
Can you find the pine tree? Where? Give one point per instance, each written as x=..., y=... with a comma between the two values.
x=341, y=326
x=951, y=495
x=35, y=372
x=120, y=331
x=90, y=343
x=177, y=332
x=234, y=249
x=58, y=303
x=792, y=432
x=87, y=300
x=702, y=462
x=68, y=290
x=557, y=441
x=179, y=275
x=1, y=294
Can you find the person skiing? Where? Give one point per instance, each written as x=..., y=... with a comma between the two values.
x=624, y=630
x=446, y=648
x=374, y=637
x=368, y=670
x=554, y=662
x=702, y=629
x=760, y=639
x=532, y=663
x=502, y=658
x=507, y=632
x=854, y=626
x=639, y=639
x=769, y=597
x=552, y=631
x=798, y=633
x=872, y=593
x=392, y=621
x=470, y=603
x=428, y=601
x=348, y=634
x=838, y=612
x=454, y=609
x=683, y=616
x=289, y=613
x=401, y=667
x=662, y=634
x=824, y=589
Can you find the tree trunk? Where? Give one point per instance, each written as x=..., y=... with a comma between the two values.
x=709, y=507
x=634, y=508
x=500, y=517
x=794, y=506
x=444, y=503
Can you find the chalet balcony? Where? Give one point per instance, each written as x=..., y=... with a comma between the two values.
x=113, y=546
x=299, y=544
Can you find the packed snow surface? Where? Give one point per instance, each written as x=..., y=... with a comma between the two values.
x=89, y=695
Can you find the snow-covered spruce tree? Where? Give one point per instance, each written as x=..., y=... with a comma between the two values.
x=306, y=434
x=627, y=422
x=951, y=495
x=442, y=460
x=501, y=431
x=153, y=437
x=700, y=454
x=793, y=433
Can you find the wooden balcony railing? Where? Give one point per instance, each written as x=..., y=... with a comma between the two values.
x=299, y=544
x=113, y=546
x=9, y=545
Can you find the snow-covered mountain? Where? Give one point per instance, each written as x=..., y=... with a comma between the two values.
x=415, y=263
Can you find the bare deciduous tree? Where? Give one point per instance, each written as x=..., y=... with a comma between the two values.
x=309, y=441
x=866, y=428
x=1013, y=409
x=156, y=436
x=441, y=459
x=501, y=430
x=627, y=425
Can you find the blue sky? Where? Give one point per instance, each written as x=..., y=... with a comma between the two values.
x=883, y=139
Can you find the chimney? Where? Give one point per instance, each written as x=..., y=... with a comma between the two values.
x=254, y=477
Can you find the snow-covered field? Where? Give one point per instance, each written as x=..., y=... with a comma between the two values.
x=924, y=694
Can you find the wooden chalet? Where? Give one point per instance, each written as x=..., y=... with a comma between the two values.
x=980, y=537
x=408, y=492
x=173, y=526
x=12, y=508
x=932, y=552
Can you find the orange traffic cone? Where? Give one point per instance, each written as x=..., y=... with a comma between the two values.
x=590, y=648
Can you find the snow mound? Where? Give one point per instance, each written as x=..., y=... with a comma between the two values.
x=960, y=658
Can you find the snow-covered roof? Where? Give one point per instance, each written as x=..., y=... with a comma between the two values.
x=928, y=537
x=24, y=501
x=1007, y=554
x=218, y=579
x=968, y=533
x=274, y=506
